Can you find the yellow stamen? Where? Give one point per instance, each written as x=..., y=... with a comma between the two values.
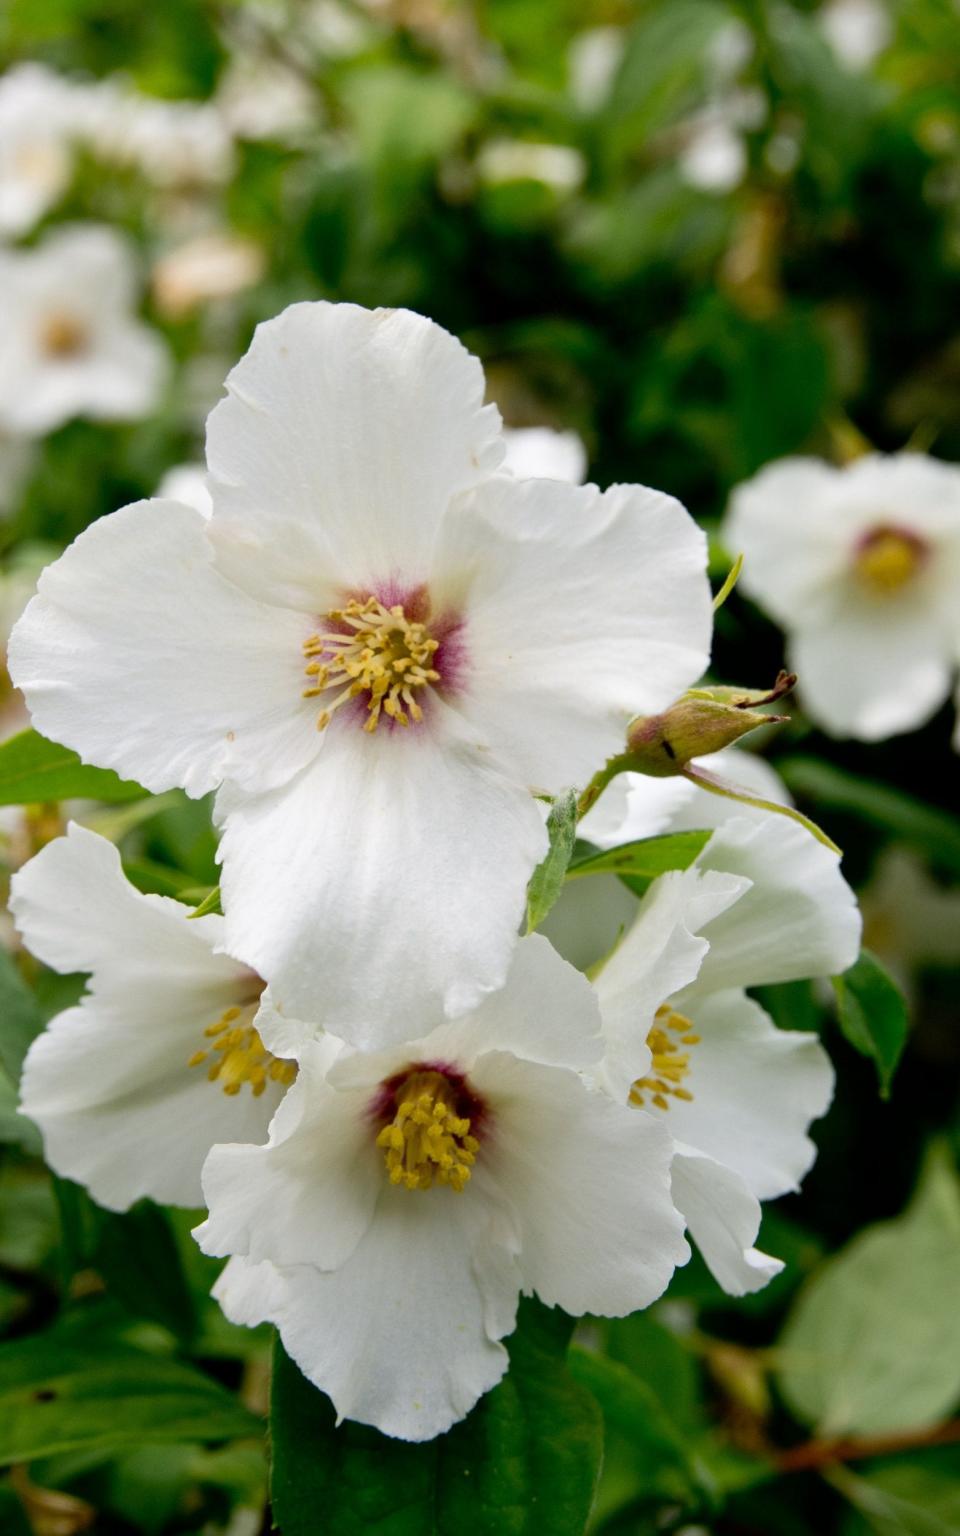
x=237, y=1055
x=63, y=335
x=378, y=652
x=888, y=560
x=670, y=1064
x=427, y=1142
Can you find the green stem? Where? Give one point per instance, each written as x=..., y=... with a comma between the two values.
x=622, y=763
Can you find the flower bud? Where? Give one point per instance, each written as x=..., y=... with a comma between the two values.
x=703, y=721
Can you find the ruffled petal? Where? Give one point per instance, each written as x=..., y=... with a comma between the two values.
x=755, y=1091
x=359, y=886
x=137, y=654
x=581, y=609
x=723, y=1218
x=589, y=1181
x=351, y=429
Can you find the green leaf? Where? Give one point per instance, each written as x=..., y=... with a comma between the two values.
x=643, y=861
x=60, y=1393
x=33, y=770
x=546, y=882
x=879, y=805
x=872, y=1345
x=20, y=1017
x=873, y=1015
x=13, y=1516
x=524, y=1463
x=210, y=903
x=915, y=1497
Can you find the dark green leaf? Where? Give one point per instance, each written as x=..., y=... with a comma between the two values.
x=873, y=1015
x=20, y=1017
x=33, y=769
x=61, y=1393
x=524, y=1463
x=546, y=882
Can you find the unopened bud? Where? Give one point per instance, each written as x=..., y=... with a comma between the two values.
x=703, y=721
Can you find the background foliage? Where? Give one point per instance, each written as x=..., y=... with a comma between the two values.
x=689, y=333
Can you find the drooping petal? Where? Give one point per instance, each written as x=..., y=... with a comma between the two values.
x=590, y=1183
x=355, y=427
x=386, y=882
x=137, y=654
x=798, y=919
x=755, y=1090
x=723, y=1219
x=581, y=609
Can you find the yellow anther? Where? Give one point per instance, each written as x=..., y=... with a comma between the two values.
x=378, y=652
x=427, y=1142
x=238, y=1055
x=888, y=560
x=670, y=1064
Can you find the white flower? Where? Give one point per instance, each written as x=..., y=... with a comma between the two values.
x=559, y=166
x=542, y=453
x=35, y=153
x=69, y=342
x=857, y=30
x=174, y=144
x=211, y=266
x=736, y=1093
x=406, y=1199
x=161, y=1058
x=458, y=637
x=187, y=483
x=861, y=567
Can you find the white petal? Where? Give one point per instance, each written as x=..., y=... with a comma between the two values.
x=590, y=1182
x=356, y=427
x=581, y=610
x=724, y=1219
x=798, y=919
x=873, y=668
x=137, y=654
x=755, y=1090
x=589, y=918
x=359, y=885
x=250, y=1294
x=405, y=1335
x=661, y=953
x=635, y=805
x=543, y=453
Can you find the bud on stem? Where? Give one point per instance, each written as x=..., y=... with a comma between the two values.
x=704, y=721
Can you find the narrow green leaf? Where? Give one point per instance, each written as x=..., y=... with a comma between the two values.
x=210, y=903
x=524, y=1463
x=877, y=804
x=872, y=1345
x=872, y=1012
x=546, y=882
x=643, y=860
x=20, y=1017
x=61, y=1393
x=34, y=769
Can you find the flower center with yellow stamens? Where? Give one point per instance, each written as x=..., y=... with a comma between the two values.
x=888, y=559
x=376, y=651
x=670, y=1064
x=237, y=1055
x=63, y=335
x=428, y=1142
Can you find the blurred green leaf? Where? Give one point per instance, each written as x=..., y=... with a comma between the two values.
x=546, y=882
x=20, y=1017
x=914, y=1495
x=33, y=769
x=872, y=1345
x=524, y=1462
x=873, y=1015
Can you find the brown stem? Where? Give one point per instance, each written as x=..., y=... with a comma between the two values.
x=816, y=1454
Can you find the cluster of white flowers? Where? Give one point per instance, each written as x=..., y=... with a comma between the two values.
x=382, y=650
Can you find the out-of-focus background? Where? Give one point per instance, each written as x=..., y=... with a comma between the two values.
x=694, y=237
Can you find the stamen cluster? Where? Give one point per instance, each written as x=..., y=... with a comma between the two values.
x=670, y=1064
x=240, y=1056
x=379, y=652
x=427, y=1142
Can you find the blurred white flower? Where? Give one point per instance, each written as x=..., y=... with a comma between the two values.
x=713, y=155
x=556, y=165
x=861, y=568
x=262, y=98
x=173, y=143
x=406, y=1199
x=211, y=266
x=541, y=453
x=162, y=1057
x=857, y=30
x=35, y=152
x=376, y=647
x=592, y=61
x=70, y=344
x=187, y=483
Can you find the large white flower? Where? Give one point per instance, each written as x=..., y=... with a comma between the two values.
x=377, y=647
x=861, y=568
x=737, y=1094
x=405, y=1199
x=36, y=116
x=162, y=1057
x=69, y=342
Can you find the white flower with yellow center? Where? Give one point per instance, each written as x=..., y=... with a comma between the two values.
x=36, y=117
x=162, y=1057
x=376, y=647
x=737, y=1094
x=405, y=1199
x=861, y=567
